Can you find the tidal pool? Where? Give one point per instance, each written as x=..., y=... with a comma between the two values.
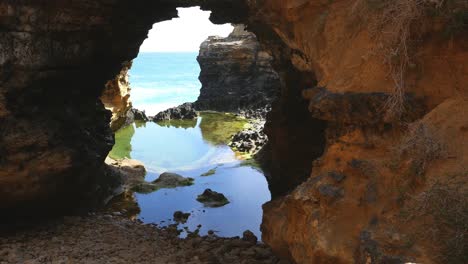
x=192, y=149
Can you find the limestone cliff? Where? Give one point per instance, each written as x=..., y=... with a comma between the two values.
x=236, y=74
x=116, y=98
x=391, y=111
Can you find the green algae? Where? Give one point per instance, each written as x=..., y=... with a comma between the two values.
x=218, y=128
x=210, y=172
x=123, y=146
x=185, y=123
x=149, y=187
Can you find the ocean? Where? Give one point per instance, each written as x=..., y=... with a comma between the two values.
x=188, y=147
x=161, y=80
x=193, y=148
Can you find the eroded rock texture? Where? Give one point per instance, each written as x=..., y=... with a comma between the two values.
x=183, y=111
x=348, y=179
x=116, y=98
x=236, y=74
x=353, y=205
x=55, y=59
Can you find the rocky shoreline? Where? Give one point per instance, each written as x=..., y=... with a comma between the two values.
x=248, y=142
x=114, y=235
x=112, y=238
x=183, y=111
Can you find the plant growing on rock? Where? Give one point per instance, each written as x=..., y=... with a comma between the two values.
x=444, y=207
x=396, y=29
x=421, y=146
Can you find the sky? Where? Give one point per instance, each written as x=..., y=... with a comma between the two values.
x=183, y=34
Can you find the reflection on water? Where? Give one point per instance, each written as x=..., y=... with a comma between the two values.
x=178, y=123
x=123, y=147
x=192, y=148
x=218, y=128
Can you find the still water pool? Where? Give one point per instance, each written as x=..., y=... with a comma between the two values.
x=192, y=148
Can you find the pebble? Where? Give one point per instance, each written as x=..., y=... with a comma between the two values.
x=107, y=239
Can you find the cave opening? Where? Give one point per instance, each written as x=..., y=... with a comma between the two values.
x=377, y=186
x=193, y=142
x=165, y=72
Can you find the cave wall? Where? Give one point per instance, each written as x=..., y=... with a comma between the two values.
x=116, y=98
x=361, y=191
x=55, y=60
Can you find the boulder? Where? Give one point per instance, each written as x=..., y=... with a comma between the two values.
x=165, y=180
x=132, y=171
x=181, y=217
x=168, y=180
x=184, y=111
x=211, y=198
x=138, y=115
x=249, y=236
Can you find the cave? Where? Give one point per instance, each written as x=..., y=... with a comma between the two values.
x=66, y=161
x=341, y=168
x=220, y=71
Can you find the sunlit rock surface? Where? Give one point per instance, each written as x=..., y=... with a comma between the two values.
x=56, y=58
x=116, y=98
x=328, y=56
x=236, y=74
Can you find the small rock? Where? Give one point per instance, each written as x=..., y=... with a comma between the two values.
x=249, y=236
x=107, y=217
x=181, y=217
x=168, y=179
x=212, y=199
x=165, y=180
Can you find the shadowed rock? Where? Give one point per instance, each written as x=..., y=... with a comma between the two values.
x=165, y=180
x=184, y=111
x=212, y=199
x=249, y=236
x=137, y=115
x=181, y=217
x=236, y=74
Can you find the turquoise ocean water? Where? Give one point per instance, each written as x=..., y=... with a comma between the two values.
x=190, y=148
x=163, y=80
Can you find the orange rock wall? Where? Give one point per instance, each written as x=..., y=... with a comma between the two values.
x=116, y=97
x=349, y=209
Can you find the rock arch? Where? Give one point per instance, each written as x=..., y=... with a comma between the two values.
x=56, y=56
